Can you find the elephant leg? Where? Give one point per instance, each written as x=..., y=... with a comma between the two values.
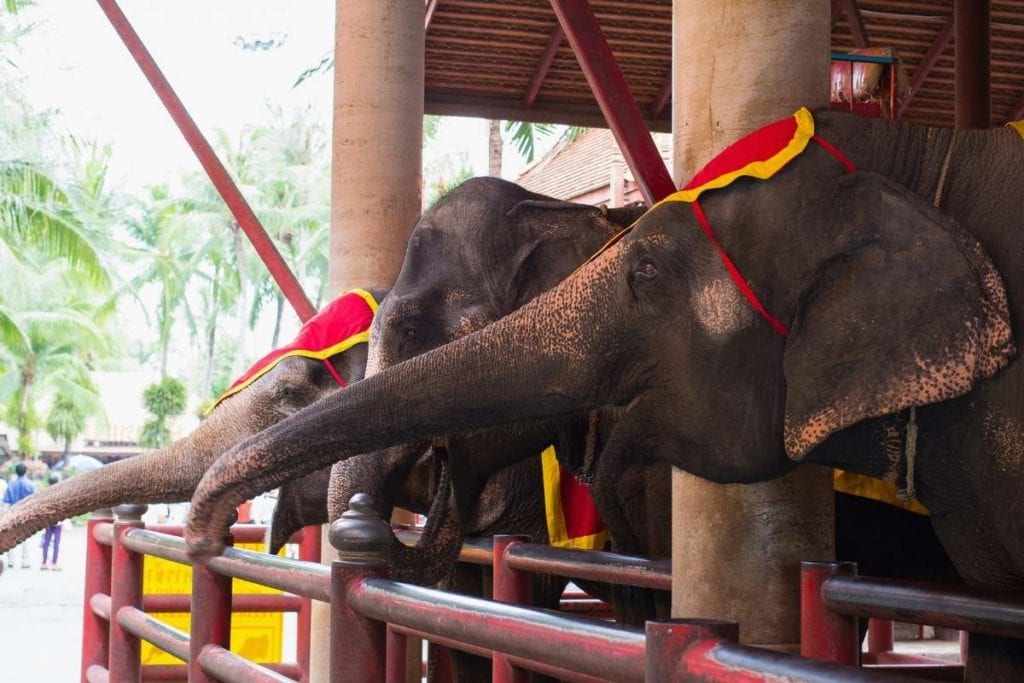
x=994, y=660
x=619, y=490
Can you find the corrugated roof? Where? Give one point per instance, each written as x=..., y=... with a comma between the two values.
x=483, y=55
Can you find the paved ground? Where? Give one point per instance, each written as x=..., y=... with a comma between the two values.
x=41, y=615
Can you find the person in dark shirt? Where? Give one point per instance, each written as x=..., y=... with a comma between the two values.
x=51, y=538
x=19, y=489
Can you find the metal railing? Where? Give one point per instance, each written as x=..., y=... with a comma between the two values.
x=372, y=616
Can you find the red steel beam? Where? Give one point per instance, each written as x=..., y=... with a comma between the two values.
x=219, y=176
x=856, y=21
x=664, y=95
x=972, y=87
x=1017, y=113
x=429, y=13
x=927, y=63
x=614, y=98
x=543, y=66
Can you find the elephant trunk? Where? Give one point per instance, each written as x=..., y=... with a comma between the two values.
x=550, y=358
x=166, y=475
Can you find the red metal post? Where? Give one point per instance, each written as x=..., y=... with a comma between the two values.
x=513, y=587
x=210, y=622
x=95, y=629
x=667, y=641
x=125, y=591
x=358, y=644
x=613, y=96
x=972, y=88
x=394, y=670
x=880, y=636
x=309, y=551
x=823, y=633
x=219, y=176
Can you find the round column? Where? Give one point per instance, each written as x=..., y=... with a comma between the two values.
x=376, y=168
x=737, y=549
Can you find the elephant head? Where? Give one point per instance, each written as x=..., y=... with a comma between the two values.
x=886, y=304
x=170, y=474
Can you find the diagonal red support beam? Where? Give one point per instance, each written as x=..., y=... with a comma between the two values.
x=543, y=66
x=219, y=175
x=613, y=96
x=837, y=9
x=664, y=95
x=1017, y=113
x=927, y=63
x=431, y=6
x=856, y=21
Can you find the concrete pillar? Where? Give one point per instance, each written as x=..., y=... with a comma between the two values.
x=736, y=549
x=376, y=169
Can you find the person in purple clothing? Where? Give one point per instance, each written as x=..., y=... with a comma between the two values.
x=52, y=535
x=19, y=489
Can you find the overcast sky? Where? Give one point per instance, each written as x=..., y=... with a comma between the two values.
x=76, y=64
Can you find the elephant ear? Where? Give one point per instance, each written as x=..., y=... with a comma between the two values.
x=909, y=311
x=562, y=235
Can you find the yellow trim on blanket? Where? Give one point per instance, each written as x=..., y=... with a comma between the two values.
x=558, y=536
x=1017, y=126
x=875, y=489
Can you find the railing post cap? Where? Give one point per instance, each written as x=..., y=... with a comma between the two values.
x=102, y=513
x=131, y=512
x=360, y=534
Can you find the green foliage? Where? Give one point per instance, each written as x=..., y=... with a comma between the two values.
x=154, y=434
x=165, y=398
x=66, y=419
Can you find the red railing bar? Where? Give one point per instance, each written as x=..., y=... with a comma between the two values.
x=164, y=636
x=97, y=674
x=590, y=647
x=99, y=603
x=300, y=578
x=179, y=672
x=242, y=533
x=552, y=671
x=309, y=551
x=968, y=609
x=714, y=661
x=104, y=533
x=219, y=176
x=591, y=564
x=228, y=667
x=240, y=603
x=96, y=626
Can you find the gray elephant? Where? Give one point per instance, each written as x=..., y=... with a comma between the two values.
x=899, y=325
x=170, y=474
x=455, y=272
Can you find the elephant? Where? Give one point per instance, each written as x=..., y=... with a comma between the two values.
x=457, y=278
x=170, y=474
x=896, y=276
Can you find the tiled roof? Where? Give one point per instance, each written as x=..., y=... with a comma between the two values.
x=571, y=169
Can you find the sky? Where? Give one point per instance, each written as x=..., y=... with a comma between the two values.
x=77, y=65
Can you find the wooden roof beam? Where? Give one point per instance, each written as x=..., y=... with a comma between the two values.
x=938, y=46
x=1017, y=113
x=543, y=66
x=853, y=17
x=661, y=101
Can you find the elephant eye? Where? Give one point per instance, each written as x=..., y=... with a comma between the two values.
x=410, y=333
x=646, y=269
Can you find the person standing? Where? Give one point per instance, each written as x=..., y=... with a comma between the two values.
x=52, y=536
x=19, y=489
